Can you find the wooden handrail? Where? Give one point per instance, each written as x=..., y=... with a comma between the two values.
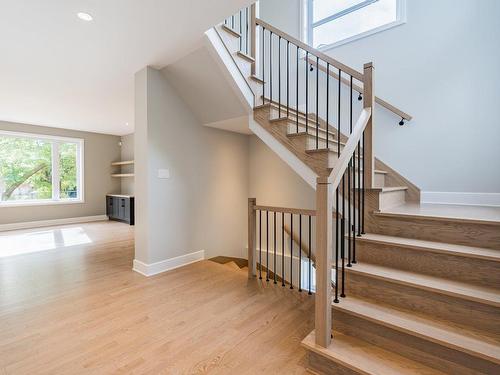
x=294, y=211
x=311, y=50
x=350, y=147
x=359, y=89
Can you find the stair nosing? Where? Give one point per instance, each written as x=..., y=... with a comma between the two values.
x=426, y=246
x=391, y=323
x=421, y=284
x=436, y=218
x=245, y=56
x=309, y=343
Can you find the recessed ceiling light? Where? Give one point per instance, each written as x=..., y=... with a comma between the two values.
x=126, y=124
x=85, y=16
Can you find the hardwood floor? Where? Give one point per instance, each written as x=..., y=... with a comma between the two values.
x=81, y=309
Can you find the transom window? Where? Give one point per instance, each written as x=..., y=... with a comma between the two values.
x=334, y=22
x=37, y=169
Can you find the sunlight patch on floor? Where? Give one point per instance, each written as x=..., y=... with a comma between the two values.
x=43, y=240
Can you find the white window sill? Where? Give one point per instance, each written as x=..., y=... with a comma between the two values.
x=362, y=35
x=40, y=203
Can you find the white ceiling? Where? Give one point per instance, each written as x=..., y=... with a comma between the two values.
x=56, y=70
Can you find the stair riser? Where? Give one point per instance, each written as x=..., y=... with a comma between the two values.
x=391, y=199
x=446, y=231
x=469, y=314
x=323, y=366
x=432, y=354
x=459, y=268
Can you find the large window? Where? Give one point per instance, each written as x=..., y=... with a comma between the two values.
x=331, y=23
x=40, y=169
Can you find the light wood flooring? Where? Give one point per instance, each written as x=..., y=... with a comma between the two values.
x=77, y=307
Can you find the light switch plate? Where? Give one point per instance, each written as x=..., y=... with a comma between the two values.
x=163, y=173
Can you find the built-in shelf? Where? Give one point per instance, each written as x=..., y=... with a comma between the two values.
x=123, y=175
x=127, y=162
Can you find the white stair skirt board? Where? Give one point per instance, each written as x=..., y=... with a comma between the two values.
x=474, y=199
x=50, y=223
x=229, y=68
x=167, y=264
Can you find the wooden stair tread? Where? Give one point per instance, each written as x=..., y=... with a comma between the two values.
x=446, y=212
x=231, y=31
x=365, y=358
x=313, y=136
x=451, y=337
x=457, y=289
x=437, y=247
x=257, y=79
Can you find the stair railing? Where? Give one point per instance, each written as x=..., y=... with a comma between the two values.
x=289, y=90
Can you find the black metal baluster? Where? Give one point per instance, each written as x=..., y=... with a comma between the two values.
x=282, y=249
x=232, y=22
x=247, y=22
x=241, y=33
x=342, y=235
x=297, y=93
x=260, y=244
x=359, y=190
x=279, y=77
x=300, y=252
x=291, y=251
x=336, y=300
x=307, y=94
x=349, y=218
x=338, y=118
x=263, y=68
x=275, y=249
x=287, y=79
x=270, y=66
x=317, y=102
x=267, y=245
x=310, y=251
x=327, y=102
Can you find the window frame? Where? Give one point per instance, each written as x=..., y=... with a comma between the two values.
x=307, y=23
x=80, y=168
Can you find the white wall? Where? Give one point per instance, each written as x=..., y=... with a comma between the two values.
x=203, y=206
x=442, y=68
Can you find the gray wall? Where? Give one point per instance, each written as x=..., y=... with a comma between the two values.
x=442, y=68
x=127, y=153
x=100, y=151
x=203, y=205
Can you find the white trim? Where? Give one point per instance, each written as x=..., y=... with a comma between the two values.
x=40, y=202
x=474, y=199
x=167, y=264
x=306, y=25
x=50, y=223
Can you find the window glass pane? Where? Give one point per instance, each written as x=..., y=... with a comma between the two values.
x=326, y=8
x=68, y=171
x=368, y=18
x=25, y=169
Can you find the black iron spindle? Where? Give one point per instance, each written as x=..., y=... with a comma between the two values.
x=275, y=249
x=287, y=79
x=338, y=118
x=297, y=93
x=310, y=251
x=342, y=239
x=282, y=249
x=291, y=251
x=232, y=22
x=260, y=244
x=363, y=190
x=241, y=33
x=270, y=67
x=300, y=252
x=349, y=218
x=359, y=190
x=307, y=94
x=263, y=67
x=247, y=22
x=327, y=102
x=317, y=102
x=267, y=245
x=279, y=77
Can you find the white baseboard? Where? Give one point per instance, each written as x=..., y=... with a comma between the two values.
x=474, y=199
x=49, y=223
x=167, y=264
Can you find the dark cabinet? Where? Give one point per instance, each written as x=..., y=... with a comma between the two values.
x=120, y=208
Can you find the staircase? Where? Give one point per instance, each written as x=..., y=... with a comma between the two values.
x=419, y=285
